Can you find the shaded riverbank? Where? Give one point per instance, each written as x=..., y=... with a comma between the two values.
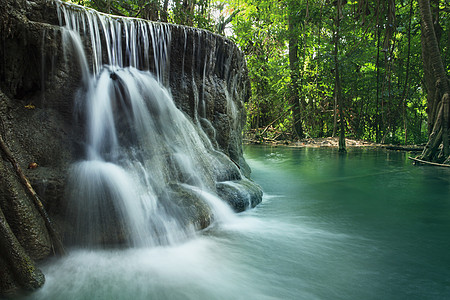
x=331, y=142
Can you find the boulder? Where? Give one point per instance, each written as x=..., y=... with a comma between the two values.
x=240, y=195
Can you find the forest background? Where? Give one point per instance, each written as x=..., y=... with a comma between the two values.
x=320, y=68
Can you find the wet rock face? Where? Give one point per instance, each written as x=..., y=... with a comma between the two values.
x=216, y=68
x=39, y=85
x=240, y=195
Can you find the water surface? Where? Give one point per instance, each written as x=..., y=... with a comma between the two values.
x=365, y=225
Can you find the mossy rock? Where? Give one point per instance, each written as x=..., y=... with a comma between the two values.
x=240, y=194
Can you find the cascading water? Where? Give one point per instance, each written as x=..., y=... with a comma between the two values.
x=144, y=157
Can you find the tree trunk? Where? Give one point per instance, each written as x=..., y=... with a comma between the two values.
x=317, y=112
x=406, y=85
x=164, y=12
x=434, y=72
x=377, y=117
x=293, y=64
x=338, y=88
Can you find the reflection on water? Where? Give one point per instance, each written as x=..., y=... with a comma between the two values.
x=366, y=225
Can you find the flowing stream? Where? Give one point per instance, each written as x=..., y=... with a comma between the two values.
x=366, y=225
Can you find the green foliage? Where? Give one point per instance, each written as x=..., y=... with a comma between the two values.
x=381, y=102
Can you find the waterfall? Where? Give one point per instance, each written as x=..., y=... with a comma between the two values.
x=147, y=168
x=106, y=33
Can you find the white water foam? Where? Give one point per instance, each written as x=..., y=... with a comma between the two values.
x=139, y=145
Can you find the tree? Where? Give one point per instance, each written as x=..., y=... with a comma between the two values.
x=438, y=99
x=294, y=32
x=337, y=86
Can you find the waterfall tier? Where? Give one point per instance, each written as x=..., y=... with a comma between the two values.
x=136, y=126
